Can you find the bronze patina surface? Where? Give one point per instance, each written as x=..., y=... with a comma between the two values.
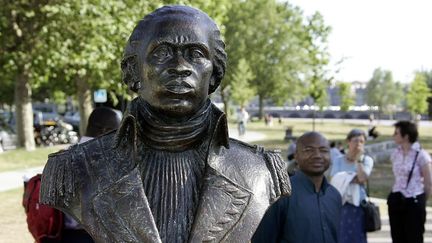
x=170, y=173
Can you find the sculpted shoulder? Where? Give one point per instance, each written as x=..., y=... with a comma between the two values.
x=67, y=170
x=251, y=159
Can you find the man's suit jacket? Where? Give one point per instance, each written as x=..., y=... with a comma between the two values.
x=98, y=183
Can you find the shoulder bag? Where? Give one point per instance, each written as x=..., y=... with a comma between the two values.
x=371, y=212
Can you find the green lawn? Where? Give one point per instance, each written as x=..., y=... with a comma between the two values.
x=13, y=219
x=331, y=130
x=22, y=159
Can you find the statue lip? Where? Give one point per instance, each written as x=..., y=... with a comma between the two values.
x=178, y=87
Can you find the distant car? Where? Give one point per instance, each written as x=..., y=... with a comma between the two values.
x=73, y=118
x=8, y=138
x=45, y=112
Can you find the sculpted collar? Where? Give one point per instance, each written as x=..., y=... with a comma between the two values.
x=208, y=122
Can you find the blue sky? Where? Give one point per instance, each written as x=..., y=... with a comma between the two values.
x=395, y=35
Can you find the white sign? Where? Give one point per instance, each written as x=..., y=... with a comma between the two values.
x=100, y=96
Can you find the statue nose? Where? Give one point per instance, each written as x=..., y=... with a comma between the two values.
x=179, y=72
x=180, y=67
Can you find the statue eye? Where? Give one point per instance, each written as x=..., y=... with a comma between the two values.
x=161, y=53
x=196, y=53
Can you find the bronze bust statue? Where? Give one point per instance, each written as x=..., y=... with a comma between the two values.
x=170, y=173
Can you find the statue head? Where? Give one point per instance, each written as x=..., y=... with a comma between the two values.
x=174, y=59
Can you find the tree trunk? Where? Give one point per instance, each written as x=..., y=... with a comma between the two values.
x=24, y=112
x=261, y=107
x=85, y=104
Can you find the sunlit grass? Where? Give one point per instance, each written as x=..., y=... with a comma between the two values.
x=13, y=220
x=22, y=159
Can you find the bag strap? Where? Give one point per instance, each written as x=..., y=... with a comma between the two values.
x=412, y=168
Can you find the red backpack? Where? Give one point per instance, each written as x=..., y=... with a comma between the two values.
x=44, y=222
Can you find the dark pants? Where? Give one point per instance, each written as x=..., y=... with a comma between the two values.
x=71, y=236
x=407, y=218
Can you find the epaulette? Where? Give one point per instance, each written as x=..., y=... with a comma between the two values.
x=59, y=179
x=279, y=173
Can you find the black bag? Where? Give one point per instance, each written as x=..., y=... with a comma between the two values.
x=372, y=213
x=372, y=216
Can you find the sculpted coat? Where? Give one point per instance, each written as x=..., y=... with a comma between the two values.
x=98, y=183
x=170, y=173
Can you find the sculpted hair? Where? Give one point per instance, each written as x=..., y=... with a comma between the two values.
x=407, y=128
x=130, y=62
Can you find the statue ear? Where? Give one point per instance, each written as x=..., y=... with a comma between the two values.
x=131, y=73
x=212, y=84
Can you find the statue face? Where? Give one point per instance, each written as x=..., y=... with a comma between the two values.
x=176, y=66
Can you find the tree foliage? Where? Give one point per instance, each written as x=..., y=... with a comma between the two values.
x=346, y=98
x=279, y=44
x=428, y=76
x=241, y=90
x=73, y=47
x=418, y=94
x=24, y=54
x=383, y=92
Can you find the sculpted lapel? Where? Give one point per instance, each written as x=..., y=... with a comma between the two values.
x=126, y=195
x=222, y=205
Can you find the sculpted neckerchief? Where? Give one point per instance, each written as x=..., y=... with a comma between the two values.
x=171, y=160
x=161, y=135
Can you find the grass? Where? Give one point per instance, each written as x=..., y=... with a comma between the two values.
x=22, y=159
x=13, y=219
x=332, y=130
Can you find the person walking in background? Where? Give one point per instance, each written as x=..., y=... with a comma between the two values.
x=412, y=185
x=349, y=175
x=311, y=213
x=242, y=119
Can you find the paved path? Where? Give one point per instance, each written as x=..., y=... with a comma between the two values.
x=14, y=179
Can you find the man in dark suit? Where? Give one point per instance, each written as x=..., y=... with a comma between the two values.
x=170, y=173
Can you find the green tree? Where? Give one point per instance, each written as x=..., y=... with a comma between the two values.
x=277, y=42
x=428, y=76
x=383, y=92
x=345, y=95
x=418, y=95
x=241, y=90
x=94, y=40
x=23, y=54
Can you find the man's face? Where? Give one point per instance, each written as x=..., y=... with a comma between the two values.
x=177, y=66
x=313, y=155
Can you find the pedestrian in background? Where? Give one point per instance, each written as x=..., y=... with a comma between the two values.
x=311, y=213
x=242, y=119
x=349, y=174
x=412, y=186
